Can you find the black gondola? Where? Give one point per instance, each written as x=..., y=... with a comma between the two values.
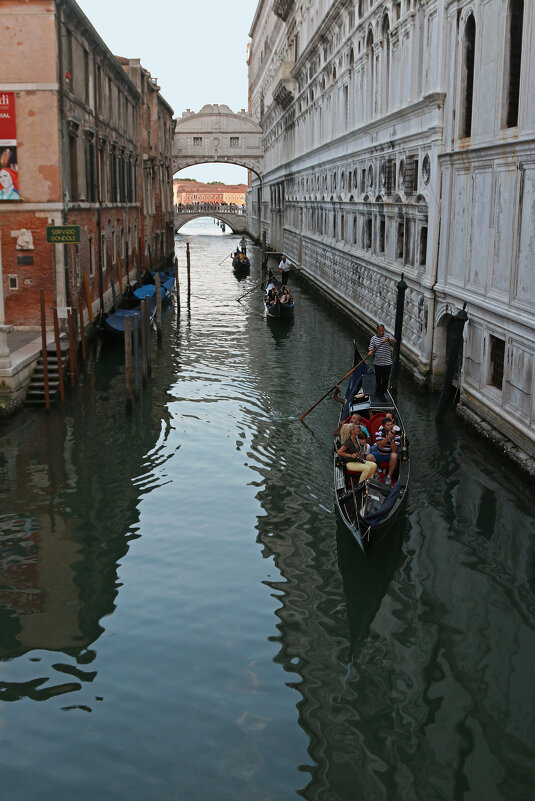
x=240, y=262
x=277, y=309
x=369, y=509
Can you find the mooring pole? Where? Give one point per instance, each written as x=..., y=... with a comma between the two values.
x=264, y=246
x=157, y=285
x=58, y=355
x=188, y=268
x=177, y=284
x=88, y=298
x=136, y=323
x=148, y=337
x=44, y=353
x=72, y=349
x=452, y=358
x=400, y=305
x=82, y=328
x=128, y=363
x=143, y=343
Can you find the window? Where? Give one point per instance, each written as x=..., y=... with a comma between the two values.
x=234, y=141
x=410, y=175
x=467, y=77
x=381, y=238
x=91, y=256
x=515, y=24
x=90, y=171
x=368, y=234
x=73, y=167
x=197, y=141
x=103, y=254
x=13, y=281
x=423, y=246
x=86, y=77
x=400, y=240
x=497, y=353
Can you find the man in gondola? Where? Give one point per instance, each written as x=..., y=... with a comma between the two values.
x=284, y=270
x=381, y=343
x=243, y=245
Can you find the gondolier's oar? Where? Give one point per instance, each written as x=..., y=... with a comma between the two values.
x=302, y=416
x=224, y=260
x=249, y=291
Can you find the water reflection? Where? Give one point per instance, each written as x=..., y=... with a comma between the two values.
x=80, y=497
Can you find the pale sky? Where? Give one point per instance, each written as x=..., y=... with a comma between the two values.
x=196, y=49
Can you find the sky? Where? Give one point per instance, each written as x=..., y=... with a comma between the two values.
x=196, y=49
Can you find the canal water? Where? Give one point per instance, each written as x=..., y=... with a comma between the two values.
x=182, y=616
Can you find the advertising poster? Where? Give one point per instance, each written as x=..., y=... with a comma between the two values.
x=9, y=171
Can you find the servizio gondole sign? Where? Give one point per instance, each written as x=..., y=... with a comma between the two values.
x=63, y=234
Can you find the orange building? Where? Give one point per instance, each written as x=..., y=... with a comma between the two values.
x=189, y=193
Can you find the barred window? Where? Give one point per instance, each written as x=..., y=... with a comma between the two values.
x=234, y=141
x=497, y=354
x=197, y=141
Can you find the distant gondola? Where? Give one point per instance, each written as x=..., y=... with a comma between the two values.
x=277, y=309
x=369, y=509
x=240, y=262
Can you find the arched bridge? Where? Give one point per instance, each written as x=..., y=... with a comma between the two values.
x=233, y=216
x=215, y=133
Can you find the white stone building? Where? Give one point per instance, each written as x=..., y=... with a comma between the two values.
x=399, y=139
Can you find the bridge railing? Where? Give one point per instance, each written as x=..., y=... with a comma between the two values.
x=195, y=208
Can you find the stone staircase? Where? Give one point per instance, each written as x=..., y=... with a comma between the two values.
x=35, y=394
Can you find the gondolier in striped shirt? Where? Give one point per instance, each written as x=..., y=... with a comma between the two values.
x=381, y=343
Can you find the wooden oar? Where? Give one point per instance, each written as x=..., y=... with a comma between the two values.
x=224, y=260
x=249, y=291
x=302, y=416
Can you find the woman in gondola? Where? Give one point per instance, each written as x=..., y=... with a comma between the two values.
x=355, y=452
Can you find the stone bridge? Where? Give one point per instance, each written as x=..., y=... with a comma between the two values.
x=233, y=216
x=217, y=134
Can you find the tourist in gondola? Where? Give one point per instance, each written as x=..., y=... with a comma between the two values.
x=356, y=419
x=355, y=452
x=284, y=295
x=387, y=443
x=271, y=297
x=381, y=343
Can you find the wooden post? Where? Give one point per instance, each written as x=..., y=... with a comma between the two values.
x=88, y=298
x=264, y=255
x=72, y=349
x=188, y=268
x=119, y=274
x=128, y=362
x=82, y=328
x=177, y=284
x=136, y=322
x=143, y=343
x=157, y=285
x=44, y=353
x=148, y=337
x=58, y=355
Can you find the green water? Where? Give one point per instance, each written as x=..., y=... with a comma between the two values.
x=183, y=617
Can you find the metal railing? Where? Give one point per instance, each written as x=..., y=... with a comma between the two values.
x=195, y=208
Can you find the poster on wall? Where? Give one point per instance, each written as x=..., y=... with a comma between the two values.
x=9, y=170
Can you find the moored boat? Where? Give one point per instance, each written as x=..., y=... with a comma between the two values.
x=369, y=509
x=273, y=304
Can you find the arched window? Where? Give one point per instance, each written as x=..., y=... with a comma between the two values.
x=513, y=63
x=385, y=88
x=467, y=77
x=370, y=76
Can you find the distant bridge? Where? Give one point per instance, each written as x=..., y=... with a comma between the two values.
x=233, y=216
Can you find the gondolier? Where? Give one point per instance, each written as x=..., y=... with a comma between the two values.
x=284, y=270
x=381, y=343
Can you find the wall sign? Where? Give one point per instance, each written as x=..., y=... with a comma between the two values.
x=62, y=234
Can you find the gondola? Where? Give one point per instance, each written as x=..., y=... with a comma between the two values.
x=278, y=310
x=370, y=509
x=113, y=324
x=240, y=262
